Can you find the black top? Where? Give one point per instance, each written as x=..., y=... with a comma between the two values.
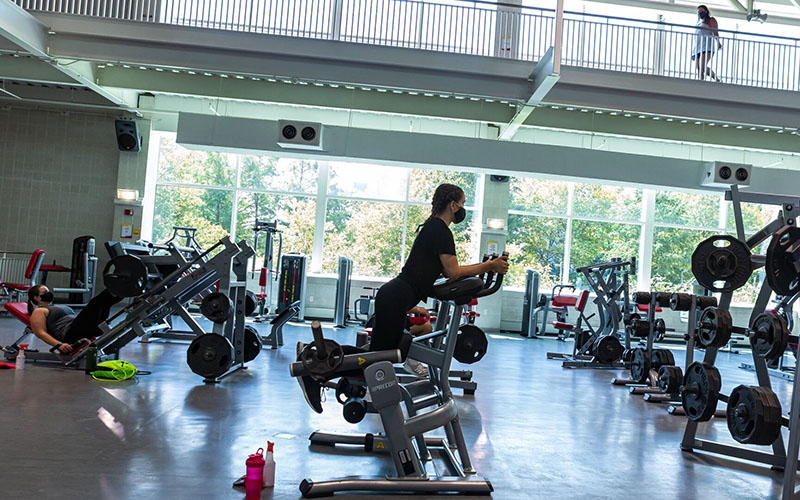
x=423, y=265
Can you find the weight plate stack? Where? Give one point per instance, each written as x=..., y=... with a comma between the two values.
x=640, y=366
x=607, y=349
x=670, y=379
x=252, y=343
x=641, y=298
x=714, y=328
x=754, y=415
x=662, y=299
x=722, y=263
x=769, y=336
x=210, y=355
x=639, y=328
x=661, y=357
x=216, y=307
x=701, y=386
x=629, y=318
x=659, y=329
x=782, y=274
x=704, y=301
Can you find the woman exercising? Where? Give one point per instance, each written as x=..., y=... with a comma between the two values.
x=432, y=254
x=59, y=326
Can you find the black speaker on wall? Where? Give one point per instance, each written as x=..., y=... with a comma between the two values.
x=127, y=136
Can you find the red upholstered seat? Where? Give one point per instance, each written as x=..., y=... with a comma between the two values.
x=646, y=308
x=17, y=286
x=474, y=302
x=53, y=268
x=563, y=326
x=564, y=300
x=19, y=310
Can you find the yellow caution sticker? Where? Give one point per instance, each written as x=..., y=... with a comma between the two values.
x=380, y=445
x=361, y=361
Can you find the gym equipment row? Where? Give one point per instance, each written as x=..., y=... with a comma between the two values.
x=415, y=467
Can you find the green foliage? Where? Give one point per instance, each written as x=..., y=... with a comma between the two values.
x=267, y=173
x=687, y=209
x=596, y=242
x=672, y=258
x=754, y=216
x=295, y=216
x=608, y=202
x=462, y=233
x=537, y=195
x=536, y=243
x=423, y=182
x=208, y=210
x=178, y=164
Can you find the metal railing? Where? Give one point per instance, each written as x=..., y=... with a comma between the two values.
x=476, y=28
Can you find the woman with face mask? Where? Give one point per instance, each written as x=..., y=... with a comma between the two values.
x=706, y=42
x=432, y=254
x=59, y=326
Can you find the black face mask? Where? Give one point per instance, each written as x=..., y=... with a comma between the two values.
x=459, y=215
x=46, y=297
x=703, y=15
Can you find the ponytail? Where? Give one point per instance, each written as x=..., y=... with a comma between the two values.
x=443, y=195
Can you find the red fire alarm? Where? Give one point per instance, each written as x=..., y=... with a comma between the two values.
x=128, y=211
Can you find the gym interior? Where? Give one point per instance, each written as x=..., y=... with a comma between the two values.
x=202, y=200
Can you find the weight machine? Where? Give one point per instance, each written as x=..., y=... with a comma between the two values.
x=535, y=304
x=754, y=414
x=265, y=279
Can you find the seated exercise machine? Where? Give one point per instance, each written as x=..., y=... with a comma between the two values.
x=211, y=355
x=536, y=306
x=267, y=275
x=403, y=438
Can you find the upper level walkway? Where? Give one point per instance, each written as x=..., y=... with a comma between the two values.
x=467, y=49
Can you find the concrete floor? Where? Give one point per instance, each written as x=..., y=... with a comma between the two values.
x=535, y=430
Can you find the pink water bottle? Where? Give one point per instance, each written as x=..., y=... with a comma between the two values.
x=254, y=479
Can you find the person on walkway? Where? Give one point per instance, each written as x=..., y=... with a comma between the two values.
x=706, y=42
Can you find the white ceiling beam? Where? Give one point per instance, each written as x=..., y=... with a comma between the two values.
x=543, y=78
x=22, y=29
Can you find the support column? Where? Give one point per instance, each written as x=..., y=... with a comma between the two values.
x=496, y=197
x=132, y=174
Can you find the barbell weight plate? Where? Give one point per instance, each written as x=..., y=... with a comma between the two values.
x=640, y=328
x=659, y=329
x=125, y=276
x=769, y=336
x=252, y=343
x=662, y=299
x=670, y=378
x=210, y=355
x=701, y=386
x=722, y=263
x=216, y=307
x=607, y=349
x=714, y=328
x=783, y=275
x=640, y=366
x=680, y=301
x=754, y=415
x=629, y=318
x=250, y=303
x=322, y=365
x=704, y=301
x=641, y=298
x=661, y=357
x=627, y=356
x=471, y=344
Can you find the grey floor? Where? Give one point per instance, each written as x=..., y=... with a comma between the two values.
x=535, y=430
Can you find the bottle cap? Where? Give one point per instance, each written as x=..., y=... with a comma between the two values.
x=256, y=459
x=270, y=446
x=23, y=346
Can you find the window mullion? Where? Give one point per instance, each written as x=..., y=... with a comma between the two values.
x=568, y=235
x=319, y=217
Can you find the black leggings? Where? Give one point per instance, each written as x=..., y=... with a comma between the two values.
x=392, y=303
x=86, y=323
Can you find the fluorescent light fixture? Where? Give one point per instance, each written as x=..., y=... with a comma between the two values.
x=127, y=195
x=498, y=224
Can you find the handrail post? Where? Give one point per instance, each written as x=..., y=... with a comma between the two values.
x=659, y=48
x=335, y=29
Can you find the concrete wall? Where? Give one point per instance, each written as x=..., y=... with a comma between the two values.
x=59, y=176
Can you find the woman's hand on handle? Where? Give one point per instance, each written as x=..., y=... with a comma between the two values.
x=65, y=348
x=499, y=265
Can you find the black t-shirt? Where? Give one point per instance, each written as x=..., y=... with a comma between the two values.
x=423, y=265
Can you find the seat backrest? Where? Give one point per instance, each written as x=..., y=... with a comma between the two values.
x=37, y=257
x=263, y=277
x=582, y=299
x=19, y=310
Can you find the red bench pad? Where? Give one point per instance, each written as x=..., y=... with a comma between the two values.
x=19, y=310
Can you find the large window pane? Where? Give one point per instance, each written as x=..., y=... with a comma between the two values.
x=279, y=174
x=536, y=243
x=466, y=244
x=370, y=233
x=672, y=258
x=178, y=164
x=687, y=209
x=607, y=202
x=754, y=215
x=596, y=242
x=538, y=195
x=208, y=210
x=295, y=216
x=422, y=183
x=367, y=181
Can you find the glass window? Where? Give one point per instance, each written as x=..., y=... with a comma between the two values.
x=754, y=215
x=422, y=183
x=368, y=232
x=279, y=174
x=596, y=242
x=672, y=258
x=536, y=243
x=295, y=216
x=181, y=165
x=687, y=209
x=466, y=244
x=367, y=181
x=607, y=202
x=538, y=195
x=208, y=210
